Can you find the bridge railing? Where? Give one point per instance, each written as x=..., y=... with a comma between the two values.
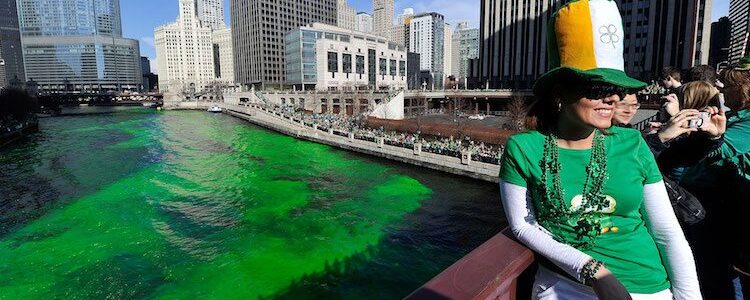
x=491, y=271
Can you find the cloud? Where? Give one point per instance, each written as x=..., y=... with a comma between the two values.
x=148, y=41
x=154, y=68
x=453, y=10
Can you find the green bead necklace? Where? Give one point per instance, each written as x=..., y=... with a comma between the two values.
x=554, y=211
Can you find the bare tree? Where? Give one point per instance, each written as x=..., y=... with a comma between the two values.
x=517, y=110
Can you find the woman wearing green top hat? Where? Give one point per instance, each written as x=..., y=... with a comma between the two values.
x=722, y=183
x=588, y=197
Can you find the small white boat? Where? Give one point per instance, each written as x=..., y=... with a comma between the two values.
x=214, y=109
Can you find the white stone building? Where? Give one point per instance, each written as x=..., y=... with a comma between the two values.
x=382, y=15
x=346, y=16
x=364, y=22
x=448, y=51
x=223, y=54
x=426, y=37
x=211, y=13
x=190, y=54
x=325, y=57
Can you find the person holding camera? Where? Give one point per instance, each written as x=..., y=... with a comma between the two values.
x=586, y=196
x=722, y=182
x=693, y=132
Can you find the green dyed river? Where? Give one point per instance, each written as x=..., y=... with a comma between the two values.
x=191, y=205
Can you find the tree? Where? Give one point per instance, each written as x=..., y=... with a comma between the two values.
x=517, y=110
x=215, y=89
x=17, y=104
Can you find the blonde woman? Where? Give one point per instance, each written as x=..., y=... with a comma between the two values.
x=722, y=183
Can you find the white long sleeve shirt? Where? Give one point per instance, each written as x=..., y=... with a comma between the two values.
x=658, y=215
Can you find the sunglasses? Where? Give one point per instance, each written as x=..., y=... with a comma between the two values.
x=599, y=92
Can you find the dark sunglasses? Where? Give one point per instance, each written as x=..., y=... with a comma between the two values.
x=598, y=92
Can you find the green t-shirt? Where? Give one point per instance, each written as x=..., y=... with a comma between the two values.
x=627, y=249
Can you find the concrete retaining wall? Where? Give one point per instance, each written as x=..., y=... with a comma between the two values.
x=454, y=165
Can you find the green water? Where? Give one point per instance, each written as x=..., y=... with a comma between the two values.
x=186, y=205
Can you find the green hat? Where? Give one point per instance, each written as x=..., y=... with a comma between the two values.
x=585, y=43
x=743, y=64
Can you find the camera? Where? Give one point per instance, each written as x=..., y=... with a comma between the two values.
x=702, y=122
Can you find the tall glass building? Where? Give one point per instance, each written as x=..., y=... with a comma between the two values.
x=78, y=43
x=11, y=58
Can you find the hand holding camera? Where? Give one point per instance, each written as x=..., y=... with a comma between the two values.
x=711, y=120
x=679, y=124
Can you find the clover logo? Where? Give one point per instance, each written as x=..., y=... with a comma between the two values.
x=609, y=35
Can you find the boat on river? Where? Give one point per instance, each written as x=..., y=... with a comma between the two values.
x=214, y=109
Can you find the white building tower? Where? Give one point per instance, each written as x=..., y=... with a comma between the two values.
x=184, y=52
x=382, y=15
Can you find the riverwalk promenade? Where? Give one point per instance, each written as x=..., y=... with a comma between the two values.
x=260, y=116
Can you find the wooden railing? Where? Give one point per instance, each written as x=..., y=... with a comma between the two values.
x=491, y=271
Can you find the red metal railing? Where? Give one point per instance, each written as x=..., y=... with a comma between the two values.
x=491, y=271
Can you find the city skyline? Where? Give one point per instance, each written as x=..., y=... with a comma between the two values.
x=139, y=23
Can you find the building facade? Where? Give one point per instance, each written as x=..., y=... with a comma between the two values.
x=658, y=33
x=382, y=16
x=412, y=71
x=325, y=57
x=665, y=33
x=211, y=13
x=719, y=50
x=364, y=22
x=739, y=18
x=258, y=30
x=426, y=37
x=346, y=15
x=466, y=43
x=11, y=53
x=223, y=55
x=185, y=52
x=78, y=43
x=448, y=51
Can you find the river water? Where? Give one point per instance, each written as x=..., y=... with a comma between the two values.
x=187, y=204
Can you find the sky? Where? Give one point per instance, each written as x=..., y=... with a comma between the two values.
x=140, y=17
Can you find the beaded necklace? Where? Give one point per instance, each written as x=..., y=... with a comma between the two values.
x=555, y=210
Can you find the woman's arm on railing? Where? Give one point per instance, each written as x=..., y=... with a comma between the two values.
x=522, y=220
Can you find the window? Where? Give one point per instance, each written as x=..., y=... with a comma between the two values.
x=360, y=64
x=383, y=66
x=347, y=63
x=402, y=68
x=333, y=62
x=393, y=67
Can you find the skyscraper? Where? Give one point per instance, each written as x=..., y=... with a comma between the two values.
x=426, y=37
x=346, y=16
x=211, y=13
x=258, y=30
x=364, y=22
x=448, y=50
x=513, y=50
x=739, y=17
x=665, y=33
x=465, y=47
x=658, y=33
x=382, y=15
x=11, y=55
x=78, y=42
x=223, y=55
x=188, y=54
x=719, y=52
